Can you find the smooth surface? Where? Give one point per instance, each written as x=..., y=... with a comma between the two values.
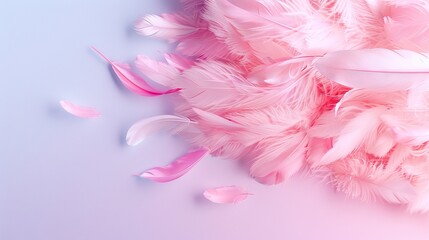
x=71, y=179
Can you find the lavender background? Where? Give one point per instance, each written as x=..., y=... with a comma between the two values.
x=71, y=179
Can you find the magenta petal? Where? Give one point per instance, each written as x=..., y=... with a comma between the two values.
x=79, y=111
x=228, y=194
x=177, y=168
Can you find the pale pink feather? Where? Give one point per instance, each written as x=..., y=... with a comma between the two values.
x=408, y=18
x=179, y=62
x=352, y=135
x=139, y=130
x=160, y=72
x=166, y=26
x=369, y=181
x=228, y=194
x=79, y=111
x=375, y=69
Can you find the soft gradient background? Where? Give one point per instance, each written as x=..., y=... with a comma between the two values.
x=64, y=178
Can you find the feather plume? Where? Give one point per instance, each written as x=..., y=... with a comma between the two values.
x=369, y=182
x=353, y=134
x=337, y=86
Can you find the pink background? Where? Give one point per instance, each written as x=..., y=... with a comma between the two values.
x=71, y=179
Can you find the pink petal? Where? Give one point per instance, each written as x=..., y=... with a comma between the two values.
x=131, y=80
x=138, y=131
x=229, y=194
x=79, y=111
x=176, y=169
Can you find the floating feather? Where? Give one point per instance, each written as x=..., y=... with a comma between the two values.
x=228, y=194
x=138, y=131
x=131, y=80
x=79, y=111
x=176, y=169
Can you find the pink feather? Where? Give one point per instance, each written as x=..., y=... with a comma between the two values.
x=160, y=72
x=79, y=111
x=333, y=86
x=166, y=26
x=139, y=130
x=176, y=169
x=228, y=194
x=408, y=18
x=131, y=80
x=375, y=69
x=353, y=135
x=369, y=181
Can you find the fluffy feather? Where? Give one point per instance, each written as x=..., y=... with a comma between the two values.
x=337, y=86
x=353, y=135
x=368, y=181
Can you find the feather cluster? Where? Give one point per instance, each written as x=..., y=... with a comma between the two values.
x=335, y=87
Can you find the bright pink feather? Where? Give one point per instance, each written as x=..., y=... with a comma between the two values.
x=177, y=168
x=131, y=80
